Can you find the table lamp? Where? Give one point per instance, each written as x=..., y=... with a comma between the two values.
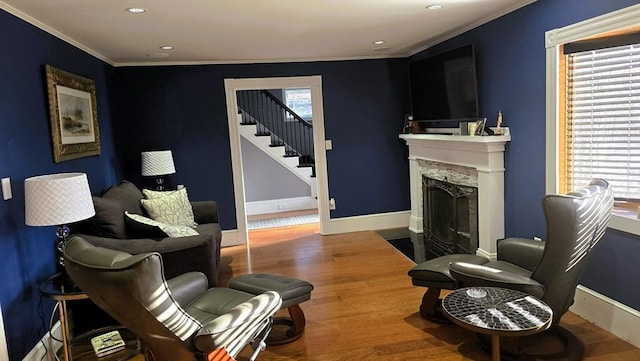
x=157, y=164
x=58, y=200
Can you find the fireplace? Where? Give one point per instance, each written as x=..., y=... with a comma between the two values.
x=476, y=164
x=450, y=217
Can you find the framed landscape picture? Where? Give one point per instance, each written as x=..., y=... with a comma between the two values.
x=73, y=115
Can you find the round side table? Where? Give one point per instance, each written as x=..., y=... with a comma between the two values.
x=52, y=288
x=56, y=290
x=497, y=312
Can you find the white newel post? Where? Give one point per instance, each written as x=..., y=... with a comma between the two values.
x=484, y=154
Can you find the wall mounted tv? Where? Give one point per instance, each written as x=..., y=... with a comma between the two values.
x=443, y=86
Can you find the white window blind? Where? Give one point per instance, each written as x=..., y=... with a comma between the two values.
x=602, y=130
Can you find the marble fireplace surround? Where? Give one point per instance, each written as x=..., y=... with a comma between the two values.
x=478, y=161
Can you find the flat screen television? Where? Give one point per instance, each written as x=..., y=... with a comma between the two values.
x=443, y=86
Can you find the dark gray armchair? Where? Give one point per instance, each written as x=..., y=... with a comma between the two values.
x=550, y=270
x=180, y=319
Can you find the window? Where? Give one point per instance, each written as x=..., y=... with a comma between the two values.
x=560, y=137
x=299, y=100
x=600, y=134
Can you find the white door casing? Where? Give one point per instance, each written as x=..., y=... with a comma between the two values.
x=315, y=84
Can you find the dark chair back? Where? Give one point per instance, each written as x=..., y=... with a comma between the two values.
x=132, y=289
x=575, y=223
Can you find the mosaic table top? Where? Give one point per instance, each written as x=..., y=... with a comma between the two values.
x=494, y=310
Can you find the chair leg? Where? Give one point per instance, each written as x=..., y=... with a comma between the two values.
x=431, y=306
x=294, y=324
x=527, y=348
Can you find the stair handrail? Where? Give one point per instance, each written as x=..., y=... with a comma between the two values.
x=300, y=143
x=285, y=107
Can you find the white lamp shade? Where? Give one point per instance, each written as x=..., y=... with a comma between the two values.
x=157, y=163
x=57, y=199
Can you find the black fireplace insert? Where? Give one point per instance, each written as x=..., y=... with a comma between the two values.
x=450, y=217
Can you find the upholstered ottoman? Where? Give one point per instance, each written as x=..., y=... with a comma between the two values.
x=293, y=292
x=435, y=275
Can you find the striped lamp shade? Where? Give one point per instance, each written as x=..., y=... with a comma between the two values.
x=157, y=163
x=57, y=199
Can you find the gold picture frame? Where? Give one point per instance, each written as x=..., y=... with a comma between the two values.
x=73, y=115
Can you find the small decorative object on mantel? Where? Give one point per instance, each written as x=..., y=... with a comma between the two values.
x=73, y=115
x=408, y=124
x=499, y=124
x=480, y=124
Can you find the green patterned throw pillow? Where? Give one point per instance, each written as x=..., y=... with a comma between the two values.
x=171, y=207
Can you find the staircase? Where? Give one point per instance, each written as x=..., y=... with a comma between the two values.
x=279, y=132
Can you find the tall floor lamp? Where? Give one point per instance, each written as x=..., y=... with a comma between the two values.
x=58, y=200
x=157, y=164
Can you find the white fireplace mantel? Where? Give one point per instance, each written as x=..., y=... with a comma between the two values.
x=486, y=155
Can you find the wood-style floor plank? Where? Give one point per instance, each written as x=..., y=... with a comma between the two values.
x=364, y=307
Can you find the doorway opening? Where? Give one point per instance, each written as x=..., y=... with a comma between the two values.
x=319, y=191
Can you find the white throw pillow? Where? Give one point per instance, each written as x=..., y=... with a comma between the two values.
x=169, y=207
x=169, y=229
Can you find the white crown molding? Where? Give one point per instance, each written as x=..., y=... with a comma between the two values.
x=258, y=61
x=19, y=14
x=471, y=26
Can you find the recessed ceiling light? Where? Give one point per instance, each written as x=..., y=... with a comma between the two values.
x=434, y=6
x=136, y=10
x=378, y=42
x=166, y=47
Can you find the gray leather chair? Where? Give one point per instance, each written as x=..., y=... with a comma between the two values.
x=550, y=270
x=179, y=319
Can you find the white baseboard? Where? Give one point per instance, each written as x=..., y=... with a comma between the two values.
x=368, y=222
x=230, y=238
x=39, y=351
x=610, y=315
x=280, y=205
x=4, y=351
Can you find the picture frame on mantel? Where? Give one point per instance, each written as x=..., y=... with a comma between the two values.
x=480, y=124
x=73, y=115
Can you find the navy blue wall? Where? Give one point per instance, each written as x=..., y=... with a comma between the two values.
x=25, y=150
x=182, y=108
x=510, y=55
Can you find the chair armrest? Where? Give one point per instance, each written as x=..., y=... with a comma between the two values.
x=187, y=287
x=486, y=276
x=199, y=253
x=522, y=252
x=142, y=245
x=234, y=329
x=205, y=211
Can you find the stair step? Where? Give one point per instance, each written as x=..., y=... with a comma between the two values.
x=248, y=123
x=262, y=134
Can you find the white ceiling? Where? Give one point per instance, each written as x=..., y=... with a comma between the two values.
x=250, y=31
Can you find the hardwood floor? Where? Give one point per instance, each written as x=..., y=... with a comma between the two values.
x=364, y=307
